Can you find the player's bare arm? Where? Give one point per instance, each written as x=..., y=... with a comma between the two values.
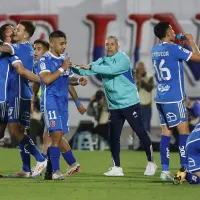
x=6, y=49
x=36, y=87
x=74, y=96
x=26, y=73
x=190, y=39
x=75, y=81
x=48, y=78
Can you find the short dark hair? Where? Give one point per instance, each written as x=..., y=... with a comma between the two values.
x=57, y=34
x=3, y=31
x=43, y=42
x=160, y=29
x=29, y=26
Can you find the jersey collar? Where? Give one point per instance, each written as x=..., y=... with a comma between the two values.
x=54, y=56
x=163, y=42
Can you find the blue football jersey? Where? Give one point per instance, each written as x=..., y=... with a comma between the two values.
x=5, y=63
x=20, y=86
x=59, y=88
x=35, y=71
x=167, y=62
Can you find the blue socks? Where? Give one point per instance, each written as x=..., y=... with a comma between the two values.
x=29, y=145
x=49, y=164
x=54, y=153
x=26, y=158
x=192, y=178
x=181, y=146
x=69, y=157
x=44, y=155
x=165, y=152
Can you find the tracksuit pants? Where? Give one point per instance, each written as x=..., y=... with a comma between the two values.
x=133, y=114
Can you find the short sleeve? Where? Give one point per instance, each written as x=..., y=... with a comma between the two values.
x=14, y=59
x=181, y=53
x=43, y=65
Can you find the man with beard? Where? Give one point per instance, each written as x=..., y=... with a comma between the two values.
x=123, y=101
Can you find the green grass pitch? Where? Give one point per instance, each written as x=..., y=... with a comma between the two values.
x=90, y=184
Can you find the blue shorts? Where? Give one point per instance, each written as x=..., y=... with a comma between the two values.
x=54, y=117
x=19, y=111
x=3, y=113
x=172, y=114
x=193, y=151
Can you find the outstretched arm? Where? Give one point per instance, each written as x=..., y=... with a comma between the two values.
x=77, y=81
x=119, y=67
x=82, y=72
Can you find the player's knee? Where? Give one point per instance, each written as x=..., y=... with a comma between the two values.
x=56, y=138
x=12, y=132
x=16, y=133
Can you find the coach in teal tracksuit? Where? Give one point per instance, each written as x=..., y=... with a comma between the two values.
x=123, y=101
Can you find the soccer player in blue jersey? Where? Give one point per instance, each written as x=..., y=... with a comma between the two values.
x=54, y=74
x=40, y=48
x=167, y=59
x=192, y=173
x=20, y=99
x=6, y=32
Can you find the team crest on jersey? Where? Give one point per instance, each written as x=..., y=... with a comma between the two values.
x=52, y=123
x=42, y=66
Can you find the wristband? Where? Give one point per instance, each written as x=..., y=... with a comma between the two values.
x=61, y=69
x=78, y=103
